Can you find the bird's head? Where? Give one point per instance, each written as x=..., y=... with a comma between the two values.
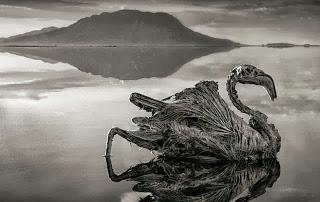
x=249, y=74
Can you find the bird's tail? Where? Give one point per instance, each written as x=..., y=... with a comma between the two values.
x=147, y=103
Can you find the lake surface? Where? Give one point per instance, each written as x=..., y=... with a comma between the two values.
x=56, y=107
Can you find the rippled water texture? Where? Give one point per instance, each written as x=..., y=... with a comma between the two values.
x=57, y=106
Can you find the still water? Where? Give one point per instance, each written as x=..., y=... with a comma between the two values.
x=57, y=105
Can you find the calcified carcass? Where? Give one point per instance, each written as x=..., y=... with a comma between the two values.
x=197, y=122
x=171, y=180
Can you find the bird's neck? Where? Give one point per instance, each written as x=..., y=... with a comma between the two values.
x=258, y=120
x=233, y=94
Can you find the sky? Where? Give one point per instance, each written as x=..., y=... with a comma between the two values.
x=244, y=21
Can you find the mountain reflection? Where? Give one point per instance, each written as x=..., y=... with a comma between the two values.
x=126, y=63
x=174, y=180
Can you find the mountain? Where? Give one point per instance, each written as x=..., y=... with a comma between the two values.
x=126, y=63
x=32, y=33
x=124, y=27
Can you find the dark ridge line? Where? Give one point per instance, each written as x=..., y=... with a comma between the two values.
x=153, y=46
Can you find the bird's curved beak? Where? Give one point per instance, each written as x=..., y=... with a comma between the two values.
x=267, y=82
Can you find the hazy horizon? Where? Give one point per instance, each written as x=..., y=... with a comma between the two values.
x=249, y=21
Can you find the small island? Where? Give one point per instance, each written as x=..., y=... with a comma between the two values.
x=286, y=45
x=279, y=45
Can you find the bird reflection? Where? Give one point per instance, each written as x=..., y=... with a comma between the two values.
x=200, y=180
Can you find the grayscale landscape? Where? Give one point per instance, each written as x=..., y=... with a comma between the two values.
x=68, y=68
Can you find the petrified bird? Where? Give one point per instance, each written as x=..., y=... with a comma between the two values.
x=198, y=122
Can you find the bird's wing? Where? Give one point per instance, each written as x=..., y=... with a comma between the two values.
x=201, y=105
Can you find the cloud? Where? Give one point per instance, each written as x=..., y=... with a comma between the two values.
x=292, y=194
x=36, y=85
x=39, y=2
x=50, y=9
x=285, y=105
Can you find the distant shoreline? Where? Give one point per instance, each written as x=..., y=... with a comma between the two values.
x=158, y=45
x=115, y=46
x=282, y=45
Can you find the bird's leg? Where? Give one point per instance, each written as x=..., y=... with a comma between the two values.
x=131, y=136
x=136, y=171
